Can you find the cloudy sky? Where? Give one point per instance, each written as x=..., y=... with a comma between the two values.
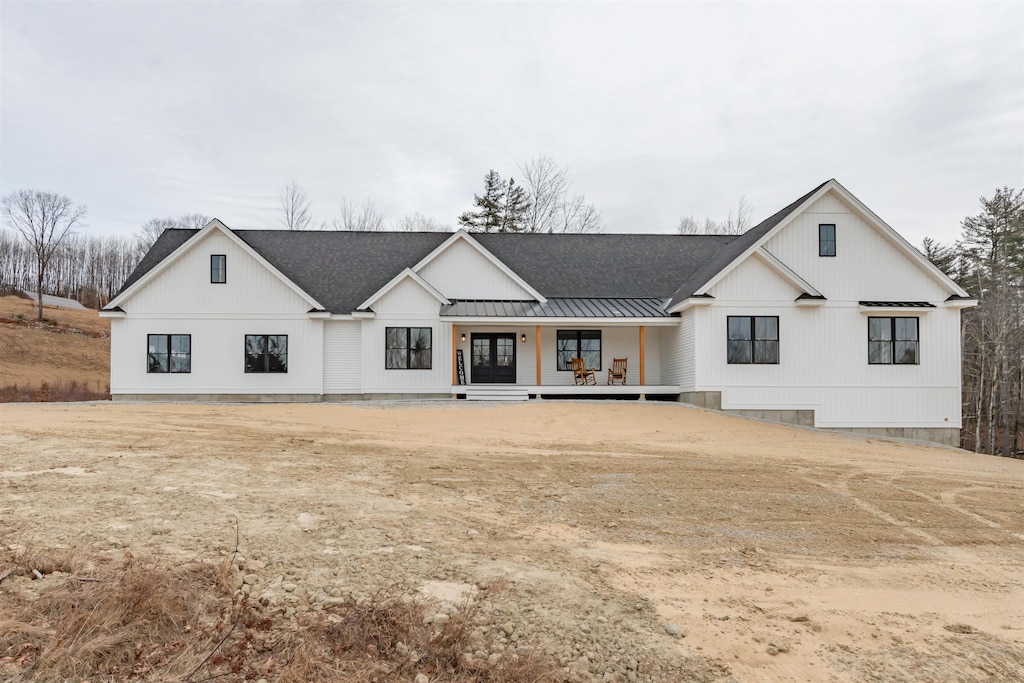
x=151, y=109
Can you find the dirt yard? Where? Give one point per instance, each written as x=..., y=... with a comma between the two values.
x=638, y=541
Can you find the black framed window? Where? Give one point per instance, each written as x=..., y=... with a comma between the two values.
x=753, y=339
x=585, y=344
x=169, y=353
x=893, y=341
x=218, y=268
x=266, y=353
x=826, y=239
x=408, y=348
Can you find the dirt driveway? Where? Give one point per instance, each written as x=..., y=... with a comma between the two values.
x=638, y=541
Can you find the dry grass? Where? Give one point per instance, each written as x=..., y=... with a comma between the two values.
x=71, y=346
x=149, y=620
x=60, y=390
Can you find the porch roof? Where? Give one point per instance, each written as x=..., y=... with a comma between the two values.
x=561, y=307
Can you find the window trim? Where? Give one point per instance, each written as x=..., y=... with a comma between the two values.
x=753, y=339
x=893, y=340
x=822, y=241
x=265, y=354
x=408, y=346
x=170, y=346
x=223, y=271
x=579, y=350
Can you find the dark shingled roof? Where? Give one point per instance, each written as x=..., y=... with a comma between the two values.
x=342, y=269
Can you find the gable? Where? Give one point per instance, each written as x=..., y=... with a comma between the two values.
x=869, y=264
x=754, y=280
x=407, y=297
x=462, y=272
x=183, y=286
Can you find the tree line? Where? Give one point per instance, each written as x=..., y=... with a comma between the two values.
x=988, y=261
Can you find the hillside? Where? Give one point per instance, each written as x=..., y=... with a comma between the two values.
x=73, y=346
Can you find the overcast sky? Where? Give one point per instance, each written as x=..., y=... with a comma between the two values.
x=144, y=109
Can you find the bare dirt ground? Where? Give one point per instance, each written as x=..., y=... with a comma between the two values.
x=73, y=346
x=638, y=541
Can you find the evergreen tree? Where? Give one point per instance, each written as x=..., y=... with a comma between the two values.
x=517, y=206
x=490, y=207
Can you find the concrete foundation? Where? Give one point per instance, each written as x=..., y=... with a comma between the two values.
x=712, y=400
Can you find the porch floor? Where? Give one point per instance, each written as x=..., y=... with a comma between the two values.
x=578, y=390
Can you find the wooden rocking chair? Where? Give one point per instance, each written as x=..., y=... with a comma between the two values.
x=617, y=372
x=581, y=374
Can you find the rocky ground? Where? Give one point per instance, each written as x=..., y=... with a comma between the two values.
x=631, y=541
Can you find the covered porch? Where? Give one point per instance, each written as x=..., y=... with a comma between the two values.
x=519, y=349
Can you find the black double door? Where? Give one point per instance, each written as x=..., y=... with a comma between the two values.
x=493, y=358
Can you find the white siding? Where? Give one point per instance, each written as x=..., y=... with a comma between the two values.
x=526, y=352
x=867, y=266
x=218, y=360
x=753, y=279
x=677, y=353
x=184, y=288
x=462, y=272
x=343, y=367
x=406, y=305
x=823, y=366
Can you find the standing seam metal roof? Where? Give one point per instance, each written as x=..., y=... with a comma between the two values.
x=635, y=307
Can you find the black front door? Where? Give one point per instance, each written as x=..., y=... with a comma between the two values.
x=493, y=358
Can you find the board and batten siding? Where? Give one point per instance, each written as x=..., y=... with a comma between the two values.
x=462, y=272
x=343, y=367
x=182, y=300
x=406, y=305
x=184, y=287
x=218, y=355
x=823, y=350
x=868, y=266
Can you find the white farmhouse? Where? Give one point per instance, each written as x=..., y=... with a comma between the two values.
x=821, y=315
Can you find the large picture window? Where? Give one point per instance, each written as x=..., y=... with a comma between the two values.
x=266, y=353
x=753, y=339
x=407, y=348
x=893, y=341
x=169, y=353
x=585, y=344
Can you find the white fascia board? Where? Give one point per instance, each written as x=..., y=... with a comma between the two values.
x=787, y=273
x=111, y=314
x=960, y=303
x=461, y=234
x=407, y=273
x=563, y=322
x=692, y=302
x=190, y=243
x=898, y=240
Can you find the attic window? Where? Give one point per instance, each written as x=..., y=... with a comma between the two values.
x=218, y=268
x=827, y=239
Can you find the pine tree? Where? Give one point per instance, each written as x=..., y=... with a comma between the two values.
x=490, y=207
x=516, y=209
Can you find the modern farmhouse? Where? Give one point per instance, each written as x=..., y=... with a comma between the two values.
x=820, y=315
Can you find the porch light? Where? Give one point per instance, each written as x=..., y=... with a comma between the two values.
x=523, y=338
x=463, y=336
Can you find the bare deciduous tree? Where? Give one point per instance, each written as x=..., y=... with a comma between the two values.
x=154, y=227
x=551, y=209
x=357, y=217
x=295, y=207
x=732, y=225
x=418, y=222
x=44, y=220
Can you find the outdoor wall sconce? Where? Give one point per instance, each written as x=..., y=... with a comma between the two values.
x=463, y=336
x=523, y=338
